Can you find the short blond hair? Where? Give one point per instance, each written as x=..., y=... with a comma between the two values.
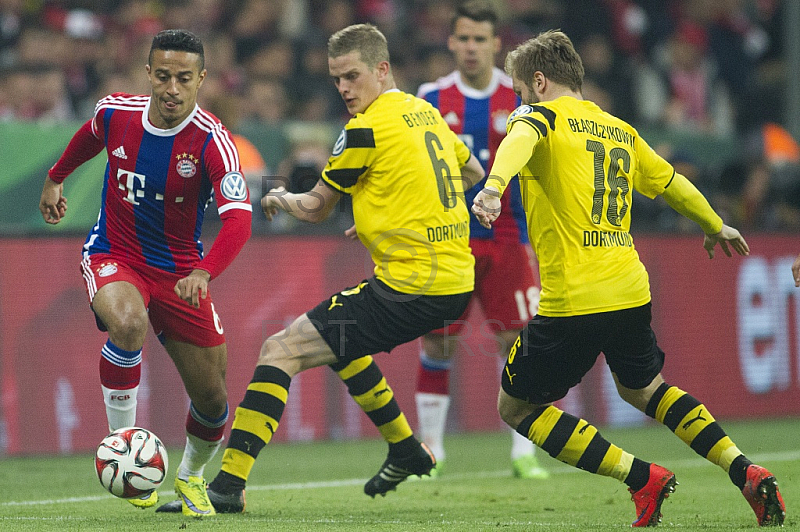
x=551, y=53
x=364, y=38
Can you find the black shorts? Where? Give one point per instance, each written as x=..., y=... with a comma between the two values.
x=553, y=354
x=372, y=317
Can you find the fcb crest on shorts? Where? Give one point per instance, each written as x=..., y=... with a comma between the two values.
x=106, y=268
x=187, y=165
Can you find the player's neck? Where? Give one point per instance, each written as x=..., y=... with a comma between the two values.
x=557, y=91
x=478, y=82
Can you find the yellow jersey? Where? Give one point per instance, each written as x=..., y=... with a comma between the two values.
x=401, y=163
x=577, y=190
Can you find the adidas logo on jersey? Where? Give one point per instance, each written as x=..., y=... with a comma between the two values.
x=119, y=152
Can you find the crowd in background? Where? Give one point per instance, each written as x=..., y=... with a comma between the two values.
x=710, y=71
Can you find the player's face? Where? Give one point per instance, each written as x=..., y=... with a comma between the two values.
x=358, y=84
x=175, y=78
x=526, y=95
x=474, y=46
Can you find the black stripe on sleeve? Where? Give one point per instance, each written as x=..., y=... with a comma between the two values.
x=538, y=124
x=345, y=177
x=360, y=137
x=549, y=115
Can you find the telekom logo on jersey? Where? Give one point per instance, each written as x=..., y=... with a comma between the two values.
x=133, y=183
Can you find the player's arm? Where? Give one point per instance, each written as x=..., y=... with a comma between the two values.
x=82, y=147
x=472, y=172
x=684, y=198
x=513, y=153
x=313, y=206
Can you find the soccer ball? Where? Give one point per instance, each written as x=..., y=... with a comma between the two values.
x=131, y=462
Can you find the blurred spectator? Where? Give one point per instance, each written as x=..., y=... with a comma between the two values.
x=265, y=110
x=37, y=93
x=691, y=68
x=11, y=17
x=683, y=91
x=316, y=96
x=762, y=189
x=255, y=25
x=607, y=81
x=254, y=169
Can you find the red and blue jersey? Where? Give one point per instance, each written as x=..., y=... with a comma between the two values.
x=158, y=184
x=479, y=117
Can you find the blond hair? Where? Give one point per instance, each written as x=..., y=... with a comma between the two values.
x=364, y=38
x=551, y=53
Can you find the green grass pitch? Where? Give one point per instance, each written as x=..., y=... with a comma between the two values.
x=318, y=486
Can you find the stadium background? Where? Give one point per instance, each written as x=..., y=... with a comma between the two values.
x=730, y=327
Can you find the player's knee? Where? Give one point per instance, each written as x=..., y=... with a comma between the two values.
x=127, y=328
x=211, y=401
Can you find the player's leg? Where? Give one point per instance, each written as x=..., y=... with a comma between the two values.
x=202, y=370
x=433, y=389
x=691, y=421
x=283, y=355
x=368, y=388
x=119, y=300
x=636, y=361
x=509, y=294
x=551, y=356
x=577, y=443
x=524, y=463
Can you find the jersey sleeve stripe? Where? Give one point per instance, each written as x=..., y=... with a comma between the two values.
x=235, y=205
x=222, y=140
x=538, y=124
x=548, y=114
x=360, y=137
x=345, y=177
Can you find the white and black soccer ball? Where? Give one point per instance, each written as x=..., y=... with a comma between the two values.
x=131, y=462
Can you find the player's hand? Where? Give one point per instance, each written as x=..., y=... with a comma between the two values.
x=796, y=271
x=351, y=232
x=52, y=204
x=486, y=206
x=193, y=287
x=273, y=201
x=728, y=235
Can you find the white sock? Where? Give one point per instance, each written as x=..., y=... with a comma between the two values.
x=521, y=446
x=120, y=407
x=432, y=414
x=196, y=455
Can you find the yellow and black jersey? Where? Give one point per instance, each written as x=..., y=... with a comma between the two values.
x=401, y=163
x=577, y=186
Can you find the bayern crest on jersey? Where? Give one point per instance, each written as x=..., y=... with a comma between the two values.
x=187, y=165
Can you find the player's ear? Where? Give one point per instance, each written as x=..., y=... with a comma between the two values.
x=498, y=44
x=202, y=77
x=383, y=69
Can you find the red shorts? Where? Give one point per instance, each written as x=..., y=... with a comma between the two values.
x=505, y=286
x=170, y=316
